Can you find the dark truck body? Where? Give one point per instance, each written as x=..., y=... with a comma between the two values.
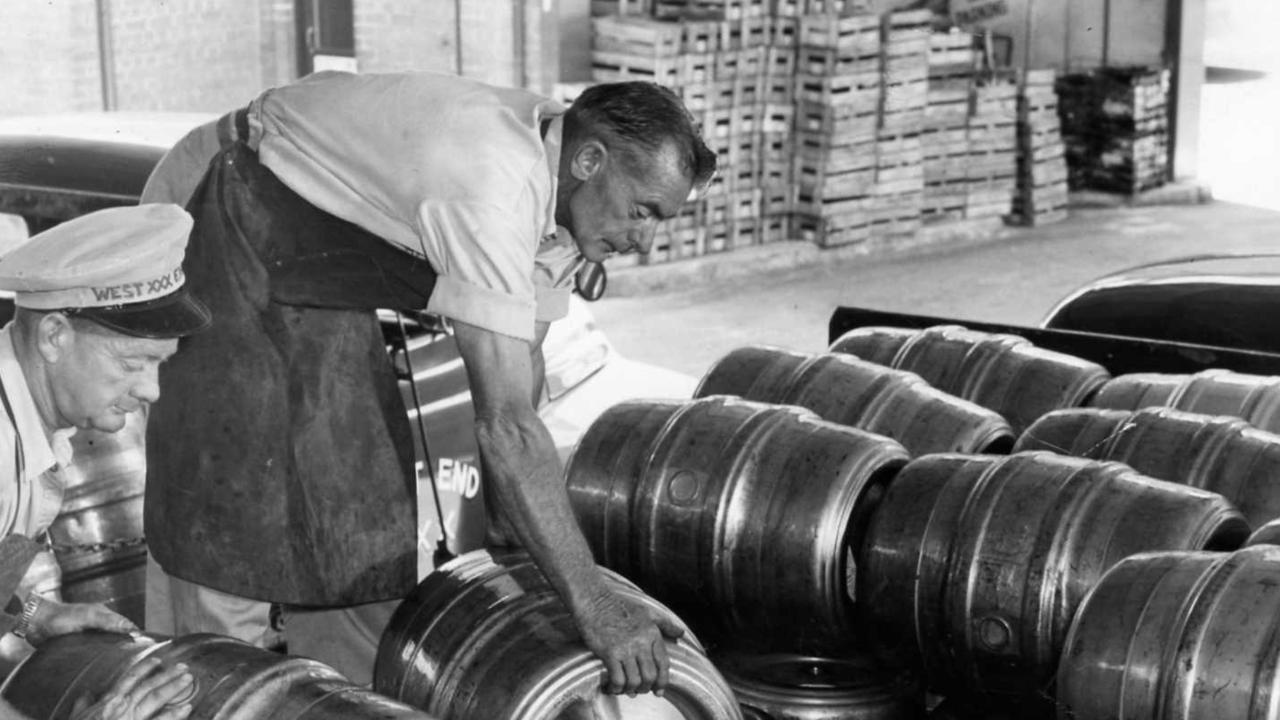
x=1117, y=353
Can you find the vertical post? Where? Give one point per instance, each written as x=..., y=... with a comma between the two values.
x=106, y=56
x=1185, y=52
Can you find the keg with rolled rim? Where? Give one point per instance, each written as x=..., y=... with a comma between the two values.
x=844, y=389
x=740, y=516
x=783, y=686
x=1177, y=636
x=98, y=535
x=486, y=636
x=1218, y=453
x=1005, y=373
x=973, y=565
x=1255, y=398
x=233, y=680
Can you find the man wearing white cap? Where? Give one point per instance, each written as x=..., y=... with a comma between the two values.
x=100, y=304
x=340, y=194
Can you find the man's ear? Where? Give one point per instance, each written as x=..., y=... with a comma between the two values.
x=588, y=159
x=54, y=335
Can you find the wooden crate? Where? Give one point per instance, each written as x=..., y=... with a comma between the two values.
x=747, y=63
x=777, y=199
x=825, y=62
x=700, y=36
x=617, y=67
x=638, y=36
x=780, y=62
x=698, y=67
x=778, y=90
x=778, y=119
x=953, y=49
x=908, y=27
x=837, y=124
x=774, y=228
x=861, y=92
x=784, y=32
x=620, y=7
x=727, y=9
x=988, y=136
x=853, y=36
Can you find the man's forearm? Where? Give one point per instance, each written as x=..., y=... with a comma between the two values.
x=526, y=481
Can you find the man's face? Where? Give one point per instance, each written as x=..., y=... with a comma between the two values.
x=616, y=211
x=103, y=376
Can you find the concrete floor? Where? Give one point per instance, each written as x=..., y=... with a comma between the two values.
x=1013, y=280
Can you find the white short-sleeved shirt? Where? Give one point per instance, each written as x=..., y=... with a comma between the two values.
x=446, y=168
x=29, y=501
x=450, y=169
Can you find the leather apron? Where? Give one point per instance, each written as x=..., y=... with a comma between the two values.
x=280, y=457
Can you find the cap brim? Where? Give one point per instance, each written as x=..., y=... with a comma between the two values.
x=175, y=315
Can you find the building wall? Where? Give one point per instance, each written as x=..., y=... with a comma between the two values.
x=48, y=57
x=393, y=35
x=197, y=55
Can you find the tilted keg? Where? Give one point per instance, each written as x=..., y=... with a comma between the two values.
x=1177, y=636
x=973, y=565
x=1005, y=373
x=486, y=636
x=846, y=390
x=1255, y=398
x=1221, y=454
x=233, y=680
x=738, y=515
x=800, y=687
x=98, y=535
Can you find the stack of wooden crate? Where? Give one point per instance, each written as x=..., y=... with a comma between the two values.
x=1115, y=125
x=899, y=188
x=945, y=135
x=993, y=146
x=1042, y=167
x=738, y=82
x=839, y=95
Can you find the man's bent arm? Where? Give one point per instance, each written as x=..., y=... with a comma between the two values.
x=524, y=478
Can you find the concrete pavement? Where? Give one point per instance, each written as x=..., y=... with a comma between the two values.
x=1014, y=278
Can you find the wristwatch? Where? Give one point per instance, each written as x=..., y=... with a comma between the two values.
x=29, y=609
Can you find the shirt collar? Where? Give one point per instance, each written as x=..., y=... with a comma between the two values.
x=41, y=450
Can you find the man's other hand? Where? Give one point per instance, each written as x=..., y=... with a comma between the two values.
x=148, y=691
x=53, y=618
x=632, y=643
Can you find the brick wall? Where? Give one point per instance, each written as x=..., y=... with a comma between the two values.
x=192, y=55
x=393, y=35
x=48, y=57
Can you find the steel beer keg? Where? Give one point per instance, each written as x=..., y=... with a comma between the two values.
x=1004, y=373
x=850, y=391
x=973, y=565
x=233, y=680
x=486, y=636
x=1177, y=636
x=740, y=516
x=799, y=687
x=1255, y=398
x=1267, y=534
x=98, y=532
x=1220, y=454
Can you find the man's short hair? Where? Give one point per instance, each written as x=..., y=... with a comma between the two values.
x=636, y=119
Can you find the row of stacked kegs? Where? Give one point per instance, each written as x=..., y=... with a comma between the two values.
x=915, y=524
x=954, y=524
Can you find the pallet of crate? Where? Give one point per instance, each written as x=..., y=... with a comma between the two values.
x=899, y=186
x=834, y=180
x=1115, y=126
x=1042, y=171
x=905, y=54
x=945, y=161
